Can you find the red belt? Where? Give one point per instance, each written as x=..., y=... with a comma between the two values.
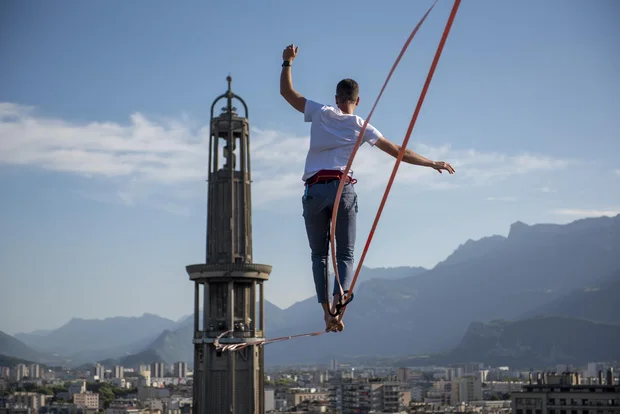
x=326, y=176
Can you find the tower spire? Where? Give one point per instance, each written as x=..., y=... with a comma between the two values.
x=228, y=285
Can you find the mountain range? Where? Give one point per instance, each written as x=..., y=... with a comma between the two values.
x=487, y=301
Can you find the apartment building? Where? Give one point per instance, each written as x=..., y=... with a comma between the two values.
x=86, y=400
x=363, y=395
x=295, y=396
x=21, y=371
x=389, y=396
x=158, y=370
x=552, y=393
x=440, y=393
x=465, y=389
x=34, y=371
x=180, y=369
x=30, y=401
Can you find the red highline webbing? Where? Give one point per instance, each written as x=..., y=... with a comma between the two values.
x=401, y=153
x=357, y=145
x=237, y=346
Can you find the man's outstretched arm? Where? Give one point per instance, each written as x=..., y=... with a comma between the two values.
x=286, y=82
x=411, y=157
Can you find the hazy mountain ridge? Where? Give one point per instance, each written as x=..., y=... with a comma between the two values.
x=598, y=301
x=390, y=273
x=87, y=340
x=473, y=249
x=14, y=348
x=533, y=266
x=432, y=310
x=535, y=270
x=11, y=362
x=538, y=342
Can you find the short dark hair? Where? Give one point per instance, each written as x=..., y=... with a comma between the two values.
x=347, y=91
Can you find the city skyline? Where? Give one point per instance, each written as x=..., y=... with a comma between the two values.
x=103, y=151
x=342, y=389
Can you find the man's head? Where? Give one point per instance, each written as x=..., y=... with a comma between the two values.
x=347, y=95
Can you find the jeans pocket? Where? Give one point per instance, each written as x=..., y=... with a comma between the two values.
x=304, y=205
x=348, y=201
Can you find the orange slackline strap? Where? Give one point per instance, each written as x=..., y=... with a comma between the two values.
x=357, y=145
x=401, y=153
x=260, y=342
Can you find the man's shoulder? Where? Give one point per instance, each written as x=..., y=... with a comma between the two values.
x=316, y=105
x=312, y=107
x=328, y=113
x=360, y=122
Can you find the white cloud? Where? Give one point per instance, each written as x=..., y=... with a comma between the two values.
x=507, y=199
x=587, y=213
x=618, y=172
x=547, y=190
x=169, y=158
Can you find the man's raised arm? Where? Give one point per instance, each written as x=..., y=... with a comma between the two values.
x=286, y=82
x=411, y=157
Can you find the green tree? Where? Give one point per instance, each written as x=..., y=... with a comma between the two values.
x=45, y=390
x=59, y=388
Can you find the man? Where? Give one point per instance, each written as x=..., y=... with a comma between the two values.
x=333, y=135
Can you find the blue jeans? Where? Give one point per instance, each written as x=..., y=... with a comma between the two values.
x=318, y=202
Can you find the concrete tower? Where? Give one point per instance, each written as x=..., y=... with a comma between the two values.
x=228, y=286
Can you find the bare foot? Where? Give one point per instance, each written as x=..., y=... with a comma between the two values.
x=337, y=320
x=330, y=323
x=339, y=325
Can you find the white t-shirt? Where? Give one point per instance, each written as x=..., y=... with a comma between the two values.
x=333, y=135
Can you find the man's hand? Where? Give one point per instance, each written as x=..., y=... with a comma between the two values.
x=411, y=157
x=442, y=165
x=290, y=53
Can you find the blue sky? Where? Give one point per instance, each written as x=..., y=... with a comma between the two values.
x=104, y=112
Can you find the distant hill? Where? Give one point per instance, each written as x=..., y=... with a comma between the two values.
x=14, y=348
x=176, y=345
x=542, y=269
x=83, y=340
x=431, y=312
x=598, y=301
x=390, y=273
x=473, y=249
x=135, y=360
x=537, y=342
x=11, y=362
x=170, y=348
